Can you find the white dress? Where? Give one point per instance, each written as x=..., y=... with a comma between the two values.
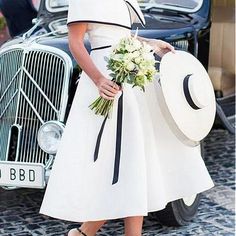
x=155, y=167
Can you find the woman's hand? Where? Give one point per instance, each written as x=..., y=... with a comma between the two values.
x=160, y=47
x=107, y=88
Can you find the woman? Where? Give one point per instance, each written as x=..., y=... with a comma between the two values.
x=150, y=173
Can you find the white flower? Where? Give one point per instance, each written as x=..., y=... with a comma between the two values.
x=148, y=56
x=137, y=44
x=130, y=66
x=128, y=57
x=129, y=48
x=138, y=60
x=117, y=57
x=136, y=54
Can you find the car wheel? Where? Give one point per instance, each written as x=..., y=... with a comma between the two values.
x=179, y=212
x=202, y=148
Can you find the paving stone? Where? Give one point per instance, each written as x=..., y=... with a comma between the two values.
x=11, y=218
x=216, y=215
x=13, y=229
x=4, y=225
x=23, y=233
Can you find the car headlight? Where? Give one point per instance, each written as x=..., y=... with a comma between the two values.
x=56, y=5
x=49, y=136
x=59, y=26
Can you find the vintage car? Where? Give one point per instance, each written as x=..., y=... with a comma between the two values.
x=38, y=79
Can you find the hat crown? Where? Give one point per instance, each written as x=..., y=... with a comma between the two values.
x=199, y=90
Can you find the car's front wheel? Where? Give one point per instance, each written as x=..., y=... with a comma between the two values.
x=179, y=212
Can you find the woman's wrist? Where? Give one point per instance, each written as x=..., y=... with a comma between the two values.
x=150, y=41
x=97, y=79
x=156, y=41
x=143, y=39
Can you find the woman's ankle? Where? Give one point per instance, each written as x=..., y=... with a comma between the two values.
x=133, y=225
x=91, y=228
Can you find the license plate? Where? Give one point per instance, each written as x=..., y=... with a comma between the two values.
x=26, y=175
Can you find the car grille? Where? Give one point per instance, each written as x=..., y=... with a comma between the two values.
x=33, y=90
x=181, y=45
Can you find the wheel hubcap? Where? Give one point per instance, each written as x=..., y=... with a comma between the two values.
x=189, y=200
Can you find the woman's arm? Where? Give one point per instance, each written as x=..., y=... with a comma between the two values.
x=160, y=47
x=107, y=88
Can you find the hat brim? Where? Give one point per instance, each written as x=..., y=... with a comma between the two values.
x=190, y=125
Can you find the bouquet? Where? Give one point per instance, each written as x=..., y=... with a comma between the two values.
x=132, y=62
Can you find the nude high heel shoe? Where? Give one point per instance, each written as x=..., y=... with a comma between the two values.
x=77, y=229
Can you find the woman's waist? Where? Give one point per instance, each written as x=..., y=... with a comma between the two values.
x=96, y=45
x=105, y=41
x=100, y=52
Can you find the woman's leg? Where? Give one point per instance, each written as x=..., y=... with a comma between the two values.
x=133, y=225
x=90, y=228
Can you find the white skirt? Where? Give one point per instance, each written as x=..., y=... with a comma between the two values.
x=155, y=167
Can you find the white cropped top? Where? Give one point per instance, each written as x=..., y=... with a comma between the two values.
x=115, y=12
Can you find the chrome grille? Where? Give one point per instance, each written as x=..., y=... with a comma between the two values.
x=10, y=64
x=181, y=44
x=35, y=85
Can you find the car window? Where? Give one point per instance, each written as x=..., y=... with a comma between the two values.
x=180, y=5
x=56, y=5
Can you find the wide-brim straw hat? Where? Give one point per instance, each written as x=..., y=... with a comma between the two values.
x=187, y=97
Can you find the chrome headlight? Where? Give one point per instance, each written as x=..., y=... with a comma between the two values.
x=49, y=136
x=56, y=5
x=59, y=26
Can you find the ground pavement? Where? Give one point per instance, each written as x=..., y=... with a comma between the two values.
x=19, y=208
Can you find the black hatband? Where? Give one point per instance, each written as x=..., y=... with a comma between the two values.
x=187, y=93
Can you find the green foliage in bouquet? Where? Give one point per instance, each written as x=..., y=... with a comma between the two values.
x=131, y=62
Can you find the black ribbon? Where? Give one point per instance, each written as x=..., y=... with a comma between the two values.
x=187, y=93
x=99, y=48
x=118, y=139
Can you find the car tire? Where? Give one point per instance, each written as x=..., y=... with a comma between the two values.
x=202, y=148
x=178, y=213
